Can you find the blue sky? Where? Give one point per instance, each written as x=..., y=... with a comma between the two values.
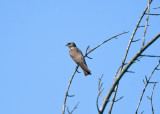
x=36, y=66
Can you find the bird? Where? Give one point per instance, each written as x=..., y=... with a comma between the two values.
x=77, y=56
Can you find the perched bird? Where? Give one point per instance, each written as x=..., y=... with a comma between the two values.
x=78, y=57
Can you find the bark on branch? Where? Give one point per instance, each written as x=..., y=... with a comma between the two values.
x=116, y=81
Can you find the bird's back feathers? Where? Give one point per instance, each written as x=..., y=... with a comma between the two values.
x=77, y=56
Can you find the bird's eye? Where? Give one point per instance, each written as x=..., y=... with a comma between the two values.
x=69, y=43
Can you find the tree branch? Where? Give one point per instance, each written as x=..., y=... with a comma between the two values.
x=151, y=98
x=75, y=107
x=113, y=99
x=156, y=8
x=150, y=56
x=76, y=69
x=123, y=62
x=144, y=34
x=146, y=84
x=97, y=100
x=131, y=39
x=69, y=84
x=155, y=14
x=99, y=86
x=125, y=69
x=114, y=37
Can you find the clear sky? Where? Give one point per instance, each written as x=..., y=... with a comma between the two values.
x=35, y=66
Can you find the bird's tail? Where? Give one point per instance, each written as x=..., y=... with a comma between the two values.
x=85, y=69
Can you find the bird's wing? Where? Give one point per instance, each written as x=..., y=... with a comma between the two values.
x=76, y=55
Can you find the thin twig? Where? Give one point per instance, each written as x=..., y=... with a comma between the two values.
x=131, y=39
x=124, y=71
x=130, y=71
x=100, y=85
x=112, y=103
x=156, y=8
x=87, y=52
x=69, y=84
x=155, y=14
x=75, y=107
x=144, y=34
x=151, y=98
x=146, y=84
x=122, y=65
x=135, y=40
x=70, y=95
x=97, y=100
x=143, y=26
x=114, y=37
x=117, y=72
x=150, y=56
x=118, y=99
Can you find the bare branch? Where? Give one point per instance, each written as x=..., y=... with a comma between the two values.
x=155, y=14
x=143, y=26
x=151, y=98
x=135, y=40
x=97, y=100
x=89, y=57
x=113, y=99
x=130, y=71
x=114, y=37
x=153, y=82
x=131, y=39
x=87, y=52
x=69, y=84
x=119, y=99
x=144, y=34
x=156, y=8
x=116, y=81
x=115, y=84
x=148, y=98
x=70, y=95
x=68, y=110
x=117, y=72
x=146, y=84
x=75, y=107
x=100, y=85
x=78, y=71
x=150, y=56
x=87, y=49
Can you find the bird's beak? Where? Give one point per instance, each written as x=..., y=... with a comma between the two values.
x=66, y=45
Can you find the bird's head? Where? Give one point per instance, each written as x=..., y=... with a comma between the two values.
x=71, y=44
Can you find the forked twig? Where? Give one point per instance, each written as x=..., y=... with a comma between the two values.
x=151, y=98
x=113, y=99
x=146, y=84
x=116, y=81
x=75, y=107
x=100, y=86
x=69, y=84
x=97, y=99
x=123, y=63
x=86, y=55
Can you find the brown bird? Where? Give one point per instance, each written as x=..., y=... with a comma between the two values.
x=78, y=57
